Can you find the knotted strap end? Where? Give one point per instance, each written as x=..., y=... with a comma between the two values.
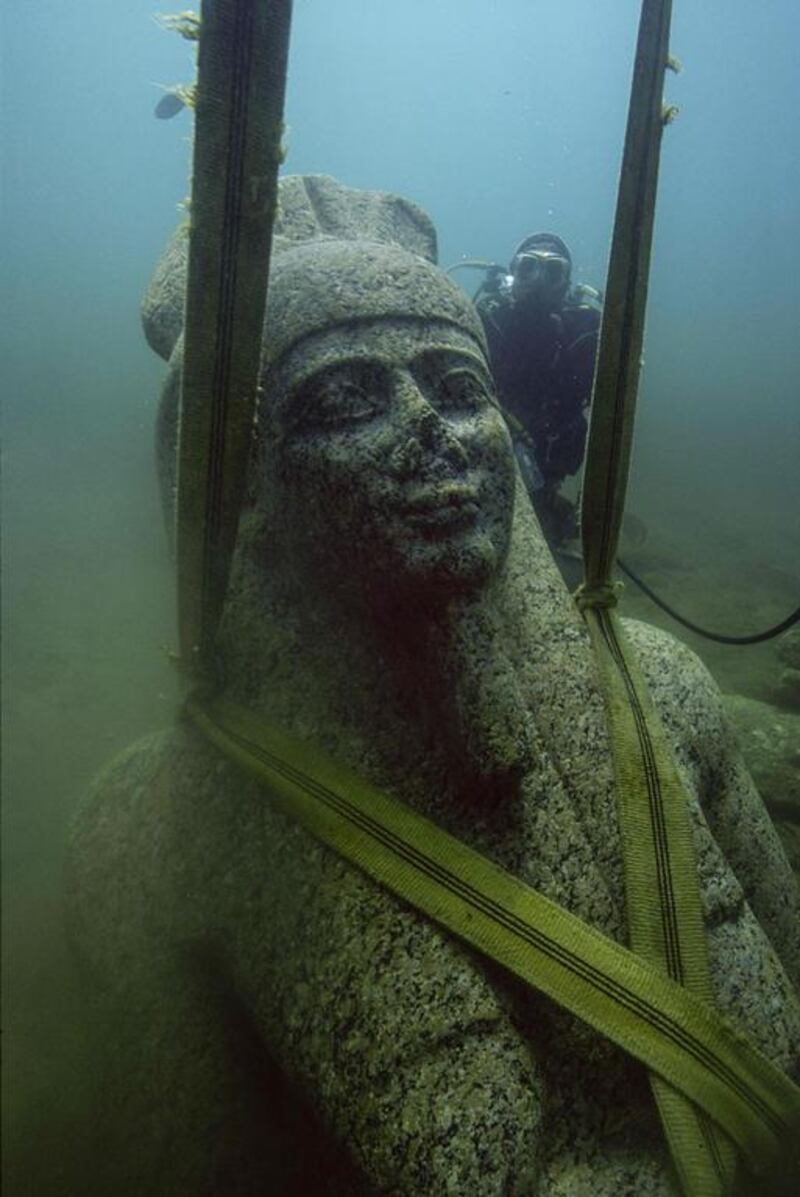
x=591, y=596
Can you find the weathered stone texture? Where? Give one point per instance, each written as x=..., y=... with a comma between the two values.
x=282, y=1024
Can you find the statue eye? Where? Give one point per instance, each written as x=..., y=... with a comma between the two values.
x=461, y=392
x=337, y=401
x=345, y=399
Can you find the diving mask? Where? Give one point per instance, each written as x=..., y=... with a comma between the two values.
x=541, y=269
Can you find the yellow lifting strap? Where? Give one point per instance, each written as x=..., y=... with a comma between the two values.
x=241, y=74
x=661, y=882
x=665, y=922
x=705, y=1075
x=675, y=1033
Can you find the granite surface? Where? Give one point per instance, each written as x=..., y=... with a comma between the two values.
x=276, y=1022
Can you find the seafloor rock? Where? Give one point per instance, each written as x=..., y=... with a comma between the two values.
x=787, y=690
x=789, y=648
x=770, y=742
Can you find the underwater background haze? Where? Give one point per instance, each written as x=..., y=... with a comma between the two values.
x=500, y=118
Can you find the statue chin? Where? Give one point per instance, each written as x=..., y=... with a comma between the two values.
x=428, y=559
x=445, y=571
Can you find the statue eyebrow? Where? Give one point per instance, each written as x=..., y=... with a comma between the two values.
x=458, y=357
x=369, y=360
x=295, y=402
x=331, y=369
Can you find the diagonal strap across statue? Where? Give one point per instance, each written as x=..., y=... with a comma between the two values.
x=673, y=1032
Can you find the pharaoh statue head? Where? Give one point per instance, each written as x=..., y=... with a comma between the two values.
x=381, y=459
x=387, y=545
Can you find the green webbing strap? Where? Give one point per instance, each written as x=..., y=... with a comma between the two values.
x=620, y=348
x=676, y=1034
x=237, y=151
x=662, y=890
x=665, y=919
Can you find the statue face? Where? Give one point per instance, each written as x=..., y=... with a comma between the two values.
x=386, y=459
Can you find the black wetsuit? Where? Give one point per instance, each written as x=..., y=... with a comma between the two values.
x=543, y=367
x=543, y=370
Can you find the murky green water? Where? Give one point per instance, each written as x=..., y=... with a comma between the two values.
x=496, y=142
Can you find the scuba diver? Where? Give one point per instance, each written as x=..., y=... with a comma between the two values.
x=543, y=333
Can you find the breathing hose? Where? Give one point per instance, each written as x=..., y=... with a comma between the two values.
x=756, y=638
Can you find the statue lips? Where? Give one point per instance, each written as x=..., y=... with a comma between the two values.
x=443, y=508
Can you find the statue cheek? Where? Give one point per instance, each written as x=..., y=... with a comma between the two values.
x=498, y=451
x=497, y=438
x=336, y=480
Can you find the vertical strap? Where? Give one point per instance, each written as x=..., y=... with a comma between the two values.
x=240, y=92
x=661, y=884
x=621, y=335
x=662, y=891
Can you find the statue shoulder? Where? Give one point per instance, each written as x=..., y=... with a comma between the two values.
x=125, y=847
x=667, y=662
x=135, y=788
x=688, y=700
x=699, y=728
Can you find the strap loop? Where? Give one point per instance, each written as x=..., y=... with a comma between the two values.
x=588, y=597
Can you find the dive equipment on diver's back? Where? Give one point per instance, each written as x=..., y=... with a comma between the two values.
x=528, y=468
x=582, y=295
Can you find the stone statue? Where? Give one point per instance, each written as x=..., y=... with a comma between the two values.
x=278, y=1022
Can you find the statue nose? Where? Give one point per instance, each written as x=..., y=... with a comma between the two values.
x=427, y=424
x=426, y=431
x=418, y=413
